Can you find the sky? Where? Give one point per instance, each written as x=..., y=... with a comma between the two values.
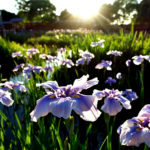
x=84, y=8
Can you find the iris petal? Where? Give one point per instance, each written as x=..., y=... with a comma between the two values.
x=85, y=106
x=60, y=107
x=111, y=106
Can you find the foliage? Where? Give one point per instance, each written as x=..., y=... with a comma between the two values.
x=36, y=10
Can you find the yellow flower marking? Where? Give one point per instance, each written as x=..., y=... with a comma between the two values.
x=138, y=129
x=76, y=96
x=52, y=96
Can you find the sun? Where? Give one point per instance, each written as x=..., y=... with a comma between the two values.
x=82, y=8
x=85, y=8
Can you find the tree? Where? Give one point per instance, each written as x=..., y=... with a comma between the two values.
x=65, y=15
x=143, y=15
x=32, y=10
x=7, y=16
x=120, y=11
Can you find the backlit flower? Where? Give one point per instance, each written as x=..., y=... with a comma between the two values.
x=68, y=62
x=17, y=85
x=119, y=75
x=85, y=57
x=136, y=131
x=104, y=64
x=100, y=43
x=110, y=81
x=128, y=62
x=60, y=101
x=16, y=54
x=137, y=60
x=113, y=102
x=114, y=52
x=18, y=67
x=5, y=98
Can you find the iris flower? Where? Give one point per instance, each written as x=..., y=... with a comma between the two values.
x=5, y=98
x=119, y=75
x=110, y=81
x=137, y=60
x=114, y=101
x=68, y=62
x=80, y=61
x=31, y=52
x=128, y=62
x=136, y=131
x=16, y=54
x=104, y=64
x=17, y=85
x=18, y=67
x=85, y=57
x=100, y=43
x=114, y=52
x=27, y=70
x=60, y=101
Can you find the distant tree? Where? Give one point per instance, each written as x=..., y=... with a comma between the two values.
x=124, y=9
x=119, y=11
x=6, y=16
x=106, y=12
x=43, y=10
x=65, y=15
x=143, y=15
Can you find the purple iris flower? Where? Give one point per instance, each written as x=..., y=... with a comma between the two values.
x=119, y=75
x=136, y=131
x=62, y=50
x=86, y=54
x=31, y=52
x=114, y=52
x=48, y=68
x=100, y=43
x=113, y=102
x=130, y=95
x=18, y=67
x=13, y=86
x=110, y=81
x=5, y=98
x=27, y=70
x=104, y=64
x=137, y=60
x=128, y=62
x=16, y=54
x=147, y=57
x=80, y=61
x=60, y=101
x=85, y=57
x=68, y=62
x=43, y=56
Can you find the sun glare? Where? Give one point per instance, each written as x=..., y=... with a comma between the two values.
x=84, y=8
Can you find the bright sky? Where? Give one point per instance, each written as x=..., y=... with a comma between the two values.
x=84, y=8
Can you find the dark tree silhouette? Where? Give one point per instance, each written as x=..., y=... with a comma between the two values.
x=143, y=16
